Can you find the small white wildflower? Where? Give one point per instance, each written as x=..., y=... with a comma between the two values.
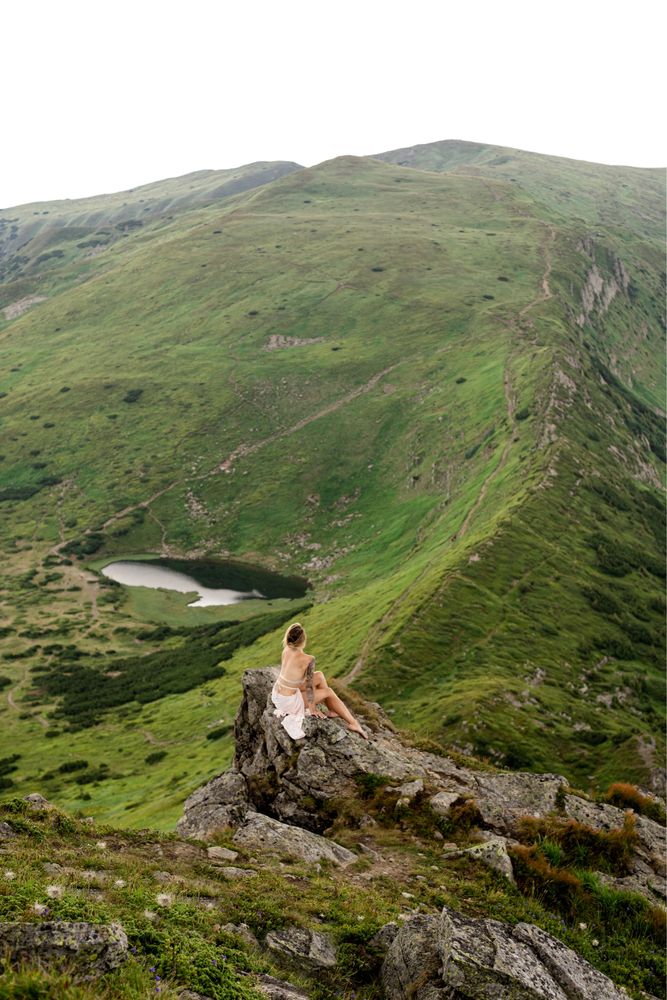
x=582, y=927
x=360, y=917
x=149, y=915
x=101, y=845
x=10, y=875
x=54, y=891
x=164, y=899
x=39, y=908
x=120, y=883
x=595, y=942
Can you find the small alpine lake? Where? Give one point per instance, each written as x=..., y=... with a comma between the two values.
x=216, y=581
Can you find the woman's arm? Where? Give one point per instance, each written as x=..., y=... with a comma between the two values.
x=310, y=694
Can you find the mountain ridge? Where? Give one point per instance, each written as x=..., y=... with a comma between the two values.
x=478, y=477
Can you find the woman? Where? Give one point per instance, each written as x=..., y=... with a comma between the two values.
x=298, y=677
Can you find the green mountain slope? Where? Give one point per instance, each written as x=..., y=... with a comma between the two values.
x=47, y=245
x=434, y=392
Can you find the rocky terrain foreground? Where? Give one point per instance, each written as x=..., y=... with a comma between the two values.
x=337, y=867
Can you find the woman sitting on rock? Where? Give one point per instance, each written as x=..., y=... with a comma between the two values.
x=297, y=678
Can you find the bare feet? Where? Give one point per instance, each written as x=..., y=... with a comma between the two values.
x=354, y=727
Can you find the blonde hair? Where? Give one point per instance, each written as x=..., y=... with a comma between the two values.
x=294, y=636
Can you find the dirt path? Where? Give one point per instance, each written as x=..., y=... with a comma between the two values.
x=249, y=449
x=380, y=626
x=242, y=451
x=17, y=708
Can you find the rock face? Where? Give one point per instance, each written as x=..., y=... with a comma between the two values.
x=277, y=989
x=220, y=803
x=302, y=948
x=451, y=957
x=289, y=780
x=262, y=833
x=95, y=948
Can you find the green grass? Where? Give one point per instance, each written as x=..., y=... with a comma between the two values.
x=181, y=937
x=447, y=542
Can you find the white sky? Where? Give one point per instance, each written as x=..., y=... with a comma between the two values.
x=101, y=96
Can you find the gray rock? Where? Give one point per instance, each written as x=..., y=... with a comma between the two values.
x=6, y=831
x=220, y=803
x=288, y=779
x=241, y=931
x=37, y=801
x=411, y=789
x=222, y=854
x=503, y=798
x=441, y=802
x=385, y=936
x=53, y=868
x=262, y=832
x=94, y=948
x=303, y=948
x=192, y=995
x=326, y=763
x=411, y=967
x=450, y=957
x=277, y=989
x=236, y=873
x=369, y=851
x=479, y=956
x=578, y=978
x=492, y=853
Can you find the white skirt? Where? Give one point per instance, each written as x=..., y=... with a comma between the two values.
x=292, y=709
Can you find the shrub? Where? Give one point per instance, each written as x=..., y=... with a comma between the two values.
x=218, y=732
x=72, y=765
x=155, y=757
x=369, y=784
x=523, y=413
x=582, y=845
x=625, y=795
x=4, y=681
x=132, y=395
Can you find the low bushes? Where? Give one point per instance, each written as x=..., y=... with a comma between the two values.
x=628, y=796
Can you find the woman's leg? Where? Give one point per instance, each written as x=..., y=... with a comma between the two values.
x=323, y=693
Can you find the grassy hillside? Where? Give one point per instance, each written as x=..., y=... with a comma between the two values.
x=435, y=392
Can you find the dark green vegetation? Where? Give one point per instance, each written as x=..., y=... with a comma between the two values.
x=174, y=904
x=429, y=383
x=86, y=691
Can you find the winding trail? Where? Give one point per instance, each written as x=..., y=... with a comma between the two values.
x=17, y=708
x=380, y=626
x=242, y=451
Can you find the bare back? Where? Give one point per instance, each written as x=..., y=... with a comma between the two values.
x=293, y=666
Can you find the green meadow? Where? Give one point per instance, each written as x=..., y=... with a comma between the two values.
x=394, y=377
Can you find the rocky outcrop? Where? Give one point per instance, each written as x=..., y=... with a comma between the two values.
x=93, y=948
x=292, y=780
x=261, y=833
x=304, y=949
x=277, y=989
x=221, y=802
x=452, y=957
x=492, y=853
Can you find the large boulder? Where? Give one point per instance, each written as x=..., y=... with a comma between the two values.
x=94, y=948
x=454, y=957
x=290, y=780
x=262, y=833
x=278, y=989
x=221, y=802
x=302, y=948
